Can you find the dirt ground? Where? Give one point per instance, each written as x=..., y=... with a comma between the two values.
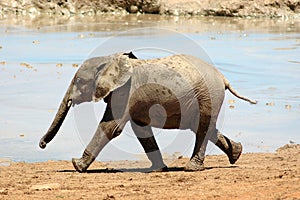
x=254, y=176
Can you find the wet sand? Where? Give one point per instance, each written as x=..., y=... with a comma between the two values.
x=254, y=176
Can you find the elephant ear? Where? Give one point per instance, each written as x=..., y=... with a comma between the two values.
x=114, y=75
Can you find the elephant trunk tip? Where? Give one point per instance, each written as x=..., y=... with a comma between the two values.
x=42, y=144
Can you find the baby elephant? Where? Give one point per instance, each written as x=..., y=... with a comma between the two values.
x=175, y=92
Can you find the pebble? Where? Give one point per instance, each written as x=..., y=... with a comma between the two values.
x=270, y=104
x=47, y=186
x=35, y=42
x=231, y=101
x=2, y=63
x=4, y=192
x=288, y=106
x=59, y=65
x=4, y=162
x=75, y=65
x=26, y=65
x=231, y=107
x=133, y=9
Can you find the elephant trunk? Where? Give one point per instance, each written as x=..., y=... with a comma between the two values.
x=59, y=118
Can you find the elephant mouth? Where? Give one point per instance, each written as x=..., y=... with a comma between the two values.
x=100, y=93
x=69, y=103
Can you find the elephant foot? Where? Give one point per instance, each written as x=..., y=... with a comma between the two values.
x=158, y=168
x=235, y=153
x=232, y=149
x=195, y=164
x=81, y=164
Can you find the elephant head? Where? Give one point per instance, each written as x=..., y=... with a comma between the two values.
x=93, y=81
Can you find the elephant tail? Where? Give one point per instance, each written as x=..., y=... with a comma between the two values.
x=235, y=93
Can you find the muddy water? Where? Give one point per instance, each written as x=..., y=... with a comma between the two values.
x=39, y=56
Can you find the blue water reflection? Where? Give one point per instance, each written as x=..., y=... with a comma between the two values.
x=263, y=66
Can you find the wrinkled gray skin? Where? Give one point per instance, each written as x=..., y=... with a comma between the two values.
x=176, y=92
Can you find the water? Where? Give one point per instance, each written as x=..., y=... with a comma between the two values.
x=259, y=57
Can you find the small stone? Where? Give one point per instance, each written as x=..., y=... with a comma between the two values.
x=2, y=63
x=47, y=186
x=28, y=66
x=270, y=104
x=22, y=135
x=133, y=9
x=231, y=101
x=59, y=65
x=176, y=13
x=288, y=106
x=4, y=192
x=75, y=65
x=35, y=42
x=4, y=162
x=231, y=107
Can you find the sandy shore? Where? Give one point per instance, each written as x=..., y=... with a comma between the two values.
x=231, y=8
x=255, y=176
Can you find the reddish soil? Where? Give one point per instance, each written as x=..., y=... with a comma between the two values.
x=254, y=176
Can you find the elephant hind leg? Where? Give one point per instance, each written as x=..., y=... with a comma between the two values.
x=232, y=149
x=148, y=142
x=196, y=163
x=204, y=132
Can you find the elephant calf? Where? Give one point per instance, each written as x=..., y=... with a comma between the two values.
x=175, y=92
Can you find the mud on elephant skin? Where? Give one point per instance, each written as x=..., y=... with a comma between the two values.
x=175, y=92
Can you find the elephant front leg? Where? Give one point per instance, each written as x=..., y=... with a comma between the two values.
x=148, y=142
x=105, y=132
